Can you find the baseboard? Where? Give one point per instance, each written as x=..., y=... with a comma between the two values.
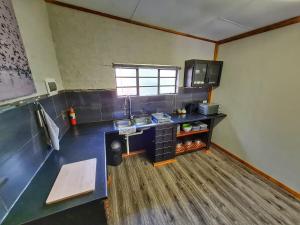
x=163, y=163
x=259, y=172
x=125, y=155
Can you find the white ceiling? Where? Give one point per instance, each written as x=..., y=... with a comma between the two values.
x=212, y=19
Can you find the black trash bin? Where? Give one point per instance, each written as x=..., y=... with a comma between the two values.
x=115, y=153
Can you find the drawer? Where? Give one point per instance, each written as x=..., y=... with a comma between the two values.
x=164, y=126
x=159, y=145
x=164, y=138
x=159, y=151
x=164, y=144
x=170, y=150
x=165, y=150
x=169, y=155
x=158, y=158
x=164, y=157
x=162, y=132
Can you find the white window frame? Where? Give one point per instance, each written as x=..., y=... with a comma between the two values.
x=146, y=66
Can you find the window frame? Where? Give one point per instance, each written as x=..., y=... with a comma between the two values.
x=147, y=66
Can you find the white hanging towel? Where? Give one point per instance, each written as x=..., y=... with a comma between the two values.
x=53, y=130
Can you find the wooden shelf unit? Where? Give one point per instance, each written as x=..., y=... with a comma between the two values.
x=189, y=148
x=184, y=134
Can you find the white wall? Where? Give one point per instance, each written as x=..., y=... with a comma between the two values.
x=32, y=17
x=260, y=93
x=87, y=45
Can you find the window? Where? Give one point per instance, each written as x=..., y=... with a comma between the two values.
x=145, y=80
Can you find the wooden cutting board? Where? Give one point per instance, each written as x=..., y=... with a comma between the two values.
x=74, y=179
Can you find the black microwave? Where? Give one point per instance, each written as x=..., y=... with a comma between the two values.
x=198, y=73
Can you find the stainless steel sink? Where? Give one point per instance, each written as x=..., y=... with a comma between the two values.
x=142, y=121
x=123, y=123
x=128, y=127
x=137, y=121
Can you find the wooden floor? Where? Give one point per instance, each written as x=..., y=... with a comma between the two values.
x=200, y=188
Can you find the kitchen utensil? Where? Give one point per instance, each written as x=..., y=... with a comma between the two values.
x=199, y=126
x=179, y=145
x=161, y=118
x=188, y=142
x=198, y=141
x=186, y=127
x=195, y=126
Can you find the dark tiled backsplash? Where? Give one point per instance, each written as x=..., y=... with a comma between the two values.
x=3, y=209
x=23, y=148
x=22, y=143
x=103, y=105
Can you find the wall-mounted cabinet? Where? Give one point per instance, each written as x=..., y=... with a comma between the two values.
x=202, y=72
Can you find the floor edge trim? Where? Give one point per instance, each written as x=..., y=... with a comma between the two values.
x=163, y=163
x=259, y=172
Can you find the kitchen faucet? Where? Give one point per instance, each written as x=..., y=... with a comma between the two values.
x=129, y=103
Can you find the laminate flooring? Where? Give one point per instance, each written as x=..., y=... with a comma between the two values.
x=200, y=188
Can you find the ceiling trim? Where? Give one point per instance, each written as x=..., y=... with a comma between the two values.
x=261, y=30
x=128, y=20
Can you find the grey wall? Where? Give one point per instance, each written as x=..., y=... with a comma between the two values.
x=23, y=148
x=260, y=93
x=103, y=105
x=87, y=45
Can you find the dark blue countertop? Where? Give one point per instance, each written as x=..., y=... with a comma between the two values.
x=194, y=117
x=80, y=143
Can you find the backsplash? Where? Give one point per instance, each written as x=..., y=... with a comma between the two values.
x=103, y=105
x=23, y=148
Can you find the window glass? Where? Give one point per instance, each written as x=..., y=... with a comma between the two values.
x=168, y=73
x=167, y=81
x=125, y=72
x=148, y=81
x=135, y=80
x=144, y=91
x=126, y=91
x=145, y=72
x=126, y=82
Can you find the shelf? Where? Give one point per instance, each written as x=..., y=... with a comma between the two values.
x=189, y=148
x=184, y=134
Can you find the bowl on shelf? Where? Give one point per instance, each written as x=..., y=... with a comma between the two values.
x=186, y=127
x=179, y=144
x=198, y=141
x=196, y=127
x=188, y=142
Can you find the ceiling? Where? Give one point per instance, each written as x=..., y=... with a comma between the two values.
x=212, y=19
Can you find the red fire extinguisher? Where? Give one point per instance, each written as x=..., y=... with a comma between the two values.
x=72, y=116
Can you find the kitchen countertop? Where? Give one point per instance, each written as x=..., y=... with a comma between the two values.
x=79, y=143
x=82, y=142
x=194, y=117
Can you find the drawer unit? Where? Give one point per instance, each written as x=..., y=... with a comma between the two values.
x=164, y=157
x=165, y=143
x=161, y=151
x=163, y=138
